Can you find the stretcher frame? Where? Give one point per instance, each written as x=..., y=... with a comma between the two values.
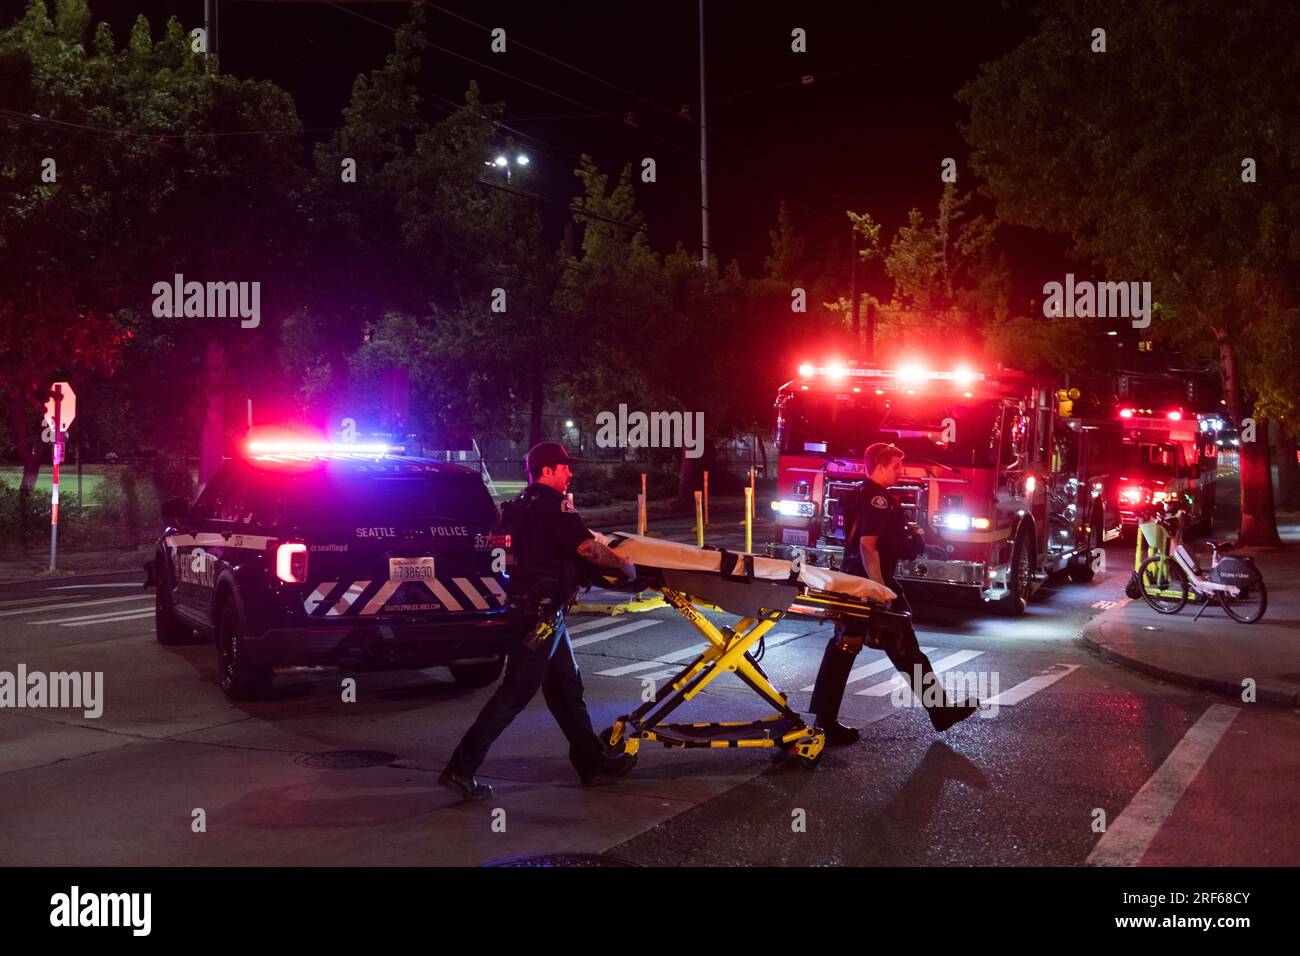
x=729, y=651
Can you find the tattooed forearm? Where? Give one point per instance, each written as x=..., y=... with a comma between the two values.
x=600, y=555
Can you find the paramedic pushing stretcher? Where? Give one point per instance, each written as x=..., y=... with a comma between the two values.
x=550, y=544
x=876, y=536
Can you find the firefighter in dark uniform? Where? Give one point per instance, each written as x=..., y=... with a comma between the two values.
x=550, y=544
x=876, y=536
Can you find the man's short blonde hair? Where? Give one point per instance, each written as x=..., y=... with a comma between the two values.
x=880, y=454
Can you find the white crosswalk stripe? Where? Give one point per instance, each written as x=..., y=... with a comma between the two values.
x=1028, y=688
x=685, y=654
x=616, y=631
x=592, y=625
x=134, y=616
x=65, y=607
x=887, y=687
x=882, y=663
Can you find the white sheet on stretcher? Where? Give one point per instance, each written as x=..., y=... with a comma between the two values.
x=657, y=553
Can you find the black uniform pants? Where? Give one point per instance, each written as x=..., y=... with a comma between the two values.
x=552, y=667
x=833, y=676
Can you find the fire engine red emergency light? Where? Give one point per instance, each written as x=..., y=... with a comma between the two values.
x=316, y=448
x=1176, y=416
x=908, y=374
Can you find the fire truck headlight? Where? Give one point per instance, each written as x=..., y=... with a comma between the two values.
x=794, y=509
x=955, y=521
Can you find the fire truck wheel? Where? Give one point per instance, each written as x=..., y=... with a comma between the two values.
x=1019, y=577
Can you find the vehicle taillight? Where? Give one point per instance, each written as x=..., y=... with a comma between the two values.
x=291, y=562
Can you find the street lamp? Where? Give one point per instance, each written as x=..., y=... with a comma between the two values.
x=502, y=162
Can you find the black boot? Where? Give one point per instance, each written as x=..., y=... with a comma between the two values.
x=949, y=714
x=837, y=734
x=467, y=787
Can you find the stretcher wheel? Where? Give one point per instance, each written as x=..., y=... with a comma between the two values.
x=607, y=739
x=806, y=751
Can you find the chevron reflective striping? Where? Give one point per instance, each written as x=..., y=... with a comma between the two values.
x=348, y=599
x=472, y=593
x=317, y=597
x=381, y=597
x=495, y=588
x=442, y=594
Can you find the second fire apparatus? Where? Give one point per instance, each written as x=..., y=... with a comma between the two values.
x=1007, y=486
x=1167, y=454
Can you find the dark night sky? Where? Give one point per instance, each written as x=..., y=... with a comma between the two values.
x=867, y=134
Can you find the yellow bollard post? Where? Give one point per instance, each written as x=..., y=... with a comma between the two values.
x=749, y=520
x=706, y=497
x=699, y=520
x=641, y=508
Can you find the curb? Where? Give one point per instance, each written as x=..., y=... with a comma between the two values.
x=1224, y=688
x=43, y=577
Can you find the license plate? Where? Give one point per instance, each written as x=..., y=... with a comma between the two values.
x=792, y=536
x=410, y=569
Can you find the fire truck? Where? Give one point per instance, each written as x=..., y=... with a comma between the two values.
x=1168, y=454
x=1006, y=483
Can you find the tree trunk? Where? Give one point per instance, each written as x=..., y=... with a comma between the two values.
x=28, y=454
x=214, y=430
x=1258, y=523
x=690, y=477
x=1288, y=471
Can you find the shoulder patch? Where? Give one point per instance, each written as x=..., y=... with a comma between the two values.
x=878, y=501
x=567, y=505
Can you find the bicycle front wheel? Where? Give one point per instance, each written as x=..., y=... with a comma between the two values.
x=1163, y=584
x=1249, y=604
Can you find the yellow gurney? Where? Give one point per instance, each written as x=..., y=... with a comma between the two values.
x=761, y=591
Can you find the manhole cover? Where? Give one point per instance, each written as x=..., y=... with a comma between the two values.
x=345, y=759
x=561, y=859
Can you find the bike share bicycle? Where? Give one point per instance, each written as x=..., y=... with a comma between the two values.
x=1165, y=572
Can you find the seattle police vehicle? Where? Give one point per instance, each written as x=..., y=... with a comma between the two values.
x=307, y=554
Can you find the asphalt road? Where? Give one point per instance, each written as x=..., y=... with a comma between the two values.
x=1181, y=777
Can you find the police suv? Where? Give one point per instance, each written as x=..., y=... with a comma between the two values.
x=322, y=556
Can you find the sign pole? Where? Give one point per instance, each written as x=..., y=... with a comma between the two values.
x=54, y=492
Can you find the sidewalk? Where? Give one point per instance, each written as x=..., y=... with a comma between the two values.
x=1217, y=653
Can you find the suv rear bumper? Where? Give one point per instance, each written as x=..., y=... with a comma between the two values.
x=374, y=646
